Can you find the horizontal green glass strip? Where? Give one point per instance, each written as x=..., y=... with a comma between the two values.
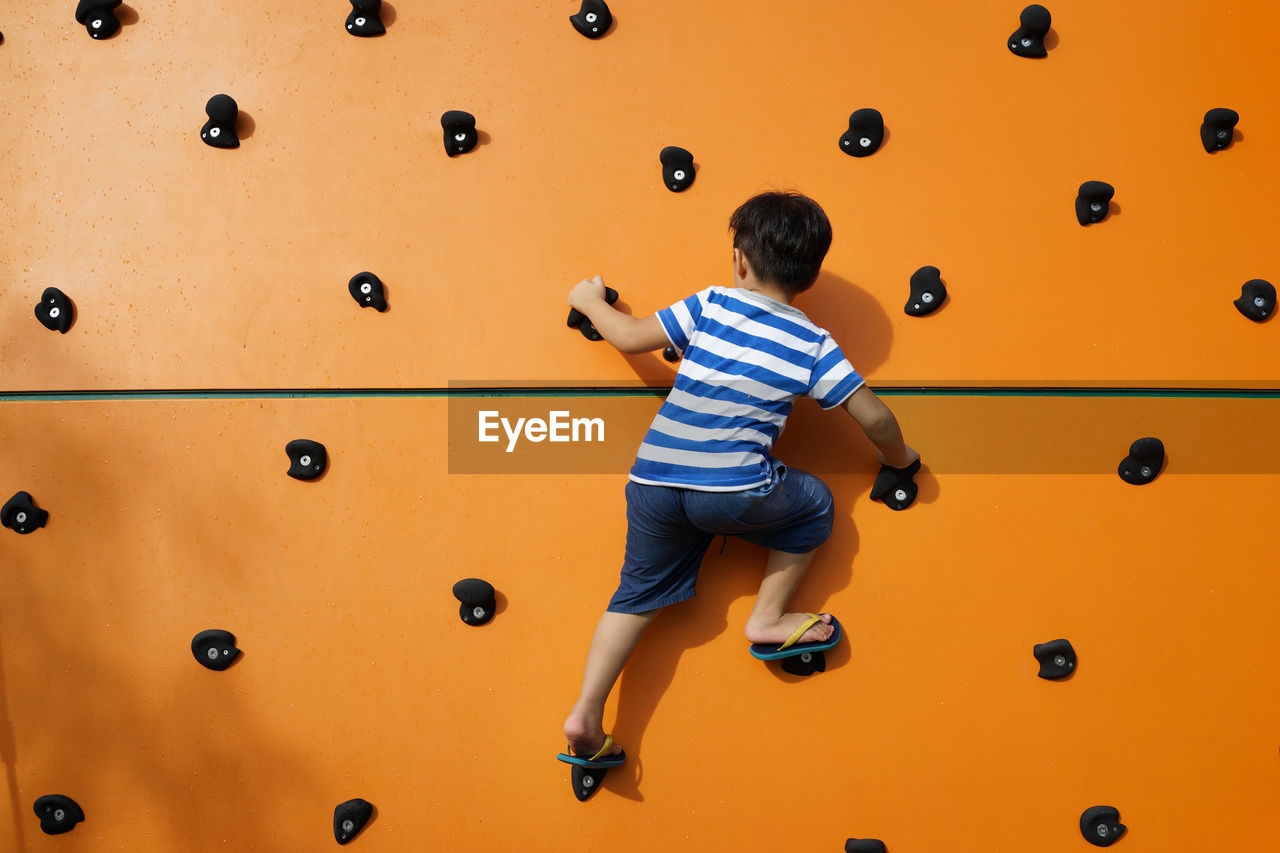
x=597, y=391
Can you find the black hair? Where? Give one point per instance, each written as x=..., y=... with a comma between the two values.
x=785, y=236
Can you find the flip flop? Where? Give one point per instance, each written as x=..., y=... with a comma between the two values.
x=599, y=761
x=791, y=648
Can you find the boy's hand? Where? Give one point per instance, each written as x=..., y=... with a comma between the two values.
x=586, y=293
x=906, y=460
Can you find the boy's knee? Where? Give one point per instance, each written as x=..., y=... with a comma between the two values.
x=827, y=512
x=826, y=501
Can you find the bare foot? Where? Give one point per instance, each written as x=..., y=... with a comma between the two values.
x=585, y=733
x=781, y=629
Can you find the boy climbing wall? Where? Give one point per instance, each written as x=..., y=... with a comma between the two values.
x=705, y=467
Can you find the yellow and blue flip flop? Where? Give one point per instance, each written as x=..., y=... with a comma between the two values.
x=599, y=761
x=791, y=648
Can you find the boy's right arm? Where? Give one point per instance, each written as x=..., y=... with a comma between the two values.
x=627, y=333
x=880, y=425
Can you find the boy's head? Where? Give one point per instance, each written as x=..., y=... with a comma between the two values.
x=785, y=236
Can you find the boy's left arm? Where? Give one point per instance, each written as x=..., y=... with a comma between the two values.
x=627, y=333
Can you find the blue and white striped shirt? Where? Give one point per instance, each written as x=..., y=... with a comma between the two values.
x=746, y=359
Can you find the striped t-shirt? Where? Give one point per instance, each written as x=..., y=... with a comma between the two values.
x=746, y=359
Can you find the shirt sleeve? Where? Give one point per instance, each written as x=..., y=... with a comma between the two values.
x=834, y=378
x=679, y=320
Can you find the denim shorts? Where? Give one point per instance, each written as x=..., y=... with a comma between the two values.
x=669, y=530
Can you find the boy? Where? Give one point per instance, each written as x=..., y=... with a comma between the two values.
x=705, y=468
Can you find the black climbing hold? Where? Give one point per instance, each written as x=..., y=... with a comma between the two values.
x=58, y=814
x=1057, y=659
x=55, y=311
x=215, y=648
x=477, y=599
x=593, y=19
x=1101, y=826
x=366, y=289
x=1217, y=128
x=586, y=780
x=1028, y=39
x=98, y=17
x=578, y=320
x=349, y=818
x=459, y=132
x=220, y=130
x=20, y=514
x=308, y=459
x=864, y=845
x=670, y=354
x=1257, y=300
x=1093, y=201
x=927, y=292
x=677, y=168
x=1143, y=464
x=365, y=19
x=806, y=663
x=896, y=486
x=865, y=133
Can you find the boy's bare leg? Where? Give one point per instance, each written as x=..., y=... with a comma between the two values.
x=615, y=639
x=769, y=621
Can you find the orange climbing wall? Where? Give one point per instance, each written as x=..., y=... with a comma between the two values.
x=929, y=730
x=193, y=268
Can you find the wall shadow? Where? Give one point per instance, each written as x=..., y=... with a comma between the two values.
x=9, y=756
x=854, y=317
x=245, y=125
x=723, y=579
